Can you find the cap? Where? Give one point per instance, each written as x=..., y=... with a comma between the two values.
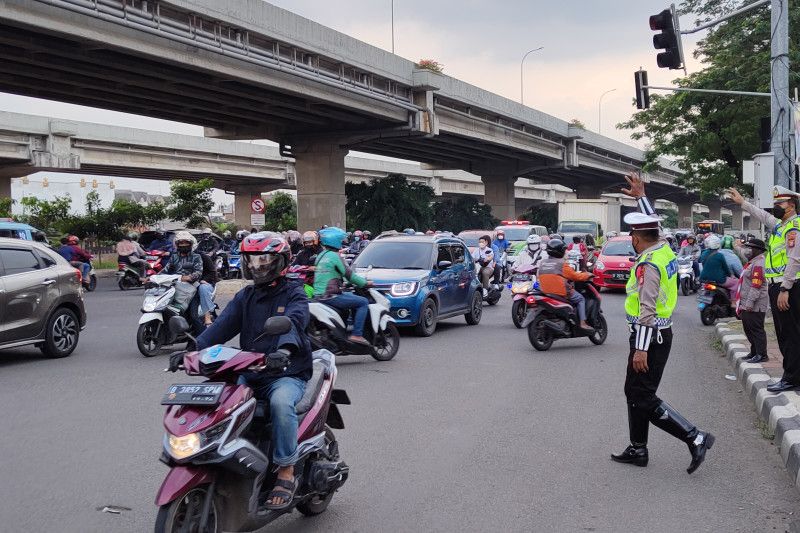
x=780, y=194
x=640, y=221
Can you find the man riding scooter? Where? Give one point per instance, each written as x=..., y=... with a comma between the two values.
x=329, y=272
x=265, y=260
x=77, y=256
x=533, y=253
x=692, y=249
x=161, y=243
x=556, y=278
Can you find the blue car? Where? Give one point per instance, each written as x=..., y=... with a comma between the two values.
x=426, y=278
x=16, y=230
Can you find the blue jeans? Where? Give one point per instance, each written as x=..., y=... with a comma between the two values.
x=206, y=291
x=579, y=301
x=282, y=395
x=348, y=300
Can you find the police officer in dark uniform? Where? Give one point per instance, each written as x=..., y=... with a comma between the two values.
x=651, y=297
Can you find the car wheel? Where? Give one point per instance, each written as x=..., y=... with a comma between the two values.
x=61, y=336
x=427, y=319
x=473, y=318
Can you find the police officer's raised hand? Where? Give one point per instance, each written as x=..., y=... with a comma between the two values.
x=636, y=185
x=783, y=301
x=735, y=195
x=640, y=361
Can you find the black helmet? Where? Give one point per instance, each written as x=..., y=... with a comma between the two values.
x=556, y=248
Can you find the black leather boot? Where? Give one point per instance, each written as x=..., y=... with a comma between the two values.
x=668, y=419
x=638, y=426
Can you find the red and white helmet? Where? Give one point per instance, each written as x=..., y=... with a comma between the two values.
x=265, y=256
x=72, y=240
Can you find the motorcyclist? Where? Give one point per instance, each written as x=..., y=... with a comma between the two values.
x=228, y=243
x=78, y=257
x=295, y=241
x=241, y=235
x=501, y=242
x=692, y=249
x=161, y=243
x=265, y=260
x=205, y=291
x=733, y=260
x=329, y=272
x=358, y=243
x=308, y=255
x=556, y=277
x=715, y=267
x=130, y=252
x=484, y=255
x=578, y=244
x=186, y=261
x=366, y=237
x=533, y=253
x=208, y=243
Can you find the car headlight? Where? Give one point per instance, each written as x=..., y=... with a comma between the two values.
x=183, y=447
x=599, y=265
x=404, y=289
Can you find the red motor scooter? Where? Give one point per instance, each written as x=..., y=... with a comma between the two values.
x=217, y=442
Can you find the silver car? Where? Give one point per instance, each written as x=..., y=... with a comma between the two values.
x=41, y=299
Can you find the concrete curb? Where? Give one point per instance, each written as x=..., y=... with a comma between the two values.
x=777, y=410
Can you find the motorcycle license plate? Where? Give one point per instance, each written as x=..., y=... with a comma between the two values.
x=705, y=299
x=152, y=257
x=193, y=394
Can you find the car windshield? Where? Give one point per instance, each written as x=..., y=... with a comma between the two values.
x=515, y=234
x=618, y=248
x=401, y=255
x=577, y=227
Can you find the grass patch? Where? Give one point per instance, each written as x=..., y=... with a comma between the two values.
x=763, y=428
x=716, y=344
x=106, y=264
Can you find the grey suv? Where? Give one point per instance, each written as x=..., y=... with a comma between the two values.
x=41, y=299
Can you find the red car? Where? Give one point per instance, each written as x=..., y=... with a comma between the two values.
x=614, y=263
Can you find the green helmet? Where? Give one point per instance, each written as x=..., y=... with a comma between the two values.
x=727, y=242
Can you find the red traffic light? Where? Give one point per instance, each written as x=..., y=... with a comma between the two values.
x=661, y=21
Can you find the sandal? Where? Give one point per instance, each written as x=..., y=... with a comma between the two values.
x=282, y=489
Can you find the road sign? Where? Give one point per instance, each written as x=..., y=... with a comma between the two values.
x=257, y=219
x=257, y=205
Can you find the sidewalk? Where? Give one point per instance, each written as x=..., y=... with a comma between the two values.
x=780, y=411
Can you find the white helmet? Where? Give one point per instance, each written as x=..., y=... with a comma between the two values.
x=713, y=242
x=206, y=231
x=185, y=236
x=241, y=234
x=534, y=242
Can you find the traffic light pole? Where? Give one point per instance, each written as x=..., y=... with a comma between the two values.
x=711, y=91
x=781, y=110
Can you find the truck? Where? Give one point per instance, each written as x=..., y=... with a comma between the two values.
x=588, y=217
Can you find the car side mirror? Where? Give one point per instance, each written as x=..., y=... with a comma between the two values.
x=178, y=325
x=277, y=325
x=444, y=265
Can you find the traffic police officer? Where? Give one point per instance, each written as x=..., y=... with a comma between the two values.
x=651, y=297
x=782, y=270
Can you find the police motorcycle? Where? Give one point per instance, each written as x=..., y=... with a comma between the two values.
x=217, y=440
x=165, y=296
x=687, y=281
x=329, y=328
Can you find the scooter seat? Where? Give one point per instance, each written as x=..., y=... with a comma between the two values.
x=313, y=386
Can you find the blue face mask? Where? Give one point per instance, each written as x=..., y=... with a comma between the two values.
x=356, y=239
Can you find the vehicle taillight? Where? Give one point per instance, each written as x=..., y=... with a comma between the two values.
x=78, y=276
x=711, y=287
x=531, y=300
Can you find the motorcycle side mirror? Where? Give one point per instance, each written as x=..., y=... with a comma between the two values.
x=277, y=325
x=178, y=325
x=444, y=264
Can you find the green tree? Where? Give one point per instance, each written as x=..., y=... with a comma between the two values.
x=669, y=216
x=190, y=201
x=465, y=212
x=710, y=134
x=389, y=203
x=542, y=215
x=5, y=207
x=280, y=213
x=50, y=216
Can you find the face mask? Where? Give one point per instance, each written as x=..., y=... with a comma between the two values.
x=778, y=212
x=749, y=254
x=532, y=248
x=356, y=239
x=184, y=249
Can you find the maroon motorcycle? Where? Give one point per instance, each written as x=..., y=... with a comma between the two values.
x=217, y=442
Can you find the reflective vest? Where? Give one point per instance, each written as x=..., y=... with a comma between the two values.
x=776, y=258
x=662, y=258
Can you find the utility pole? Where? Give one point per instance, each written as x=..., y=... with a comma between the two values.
x=781, y=110
x=522, y=74
x=600, y=110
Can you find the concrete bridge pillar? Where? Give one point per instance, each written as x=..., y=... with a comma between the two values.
x=685, y=215
x=588, y=191
x=738, y=218
x=241, y=206
x=714, y=210
x=5, y=187
x=498, y=193
x=319, y=171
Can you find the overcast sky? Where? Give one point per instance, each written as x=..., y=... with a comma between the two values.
x=589, y=47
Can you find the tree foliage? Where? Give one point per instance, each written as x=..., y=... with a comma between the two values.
x=389, y=203
x=710, y=134
x=465, y=212
x=51, y=216
x=190, y=201
x=280, y=213
x=542, y=215
x=669, y=217
x=5, y=207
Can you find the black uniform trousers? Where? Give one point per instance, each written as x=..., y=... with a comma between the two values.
x=787, y=329
x=753, y=325
x=641, y=387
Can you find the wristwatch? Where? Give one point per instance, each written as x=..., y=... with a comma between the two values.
x=784, y=289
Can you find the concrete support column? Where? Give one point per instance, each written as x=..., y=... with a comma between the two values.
x=319, y=171
x=241, y=206
x=738, y=219
x=685, y=215
x=587, y=191
x=5, y=187
x=714, y=210
x=498, y=193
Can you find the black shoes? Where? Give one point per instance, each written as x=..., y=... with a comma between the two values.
x=756, y=359
x=781, y=386
x=632, y=455
x=702, y=442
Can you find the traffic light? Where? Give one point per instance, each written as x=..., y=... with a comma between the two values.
x=642, y=92
x=83, y=182
x=94, y=184
x=669, y=39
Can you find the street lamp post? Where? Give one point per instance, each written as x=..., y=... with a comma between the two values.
x=522, y=76
x=600, y=110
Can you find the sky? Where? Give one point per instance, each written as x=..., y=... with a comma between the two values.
x=590, y=47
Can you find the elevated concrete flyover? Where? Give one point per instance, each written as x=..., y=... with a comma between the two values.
x=245, y=69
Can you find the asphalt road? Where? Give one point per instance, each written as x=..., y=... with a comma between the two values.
x=469, y=430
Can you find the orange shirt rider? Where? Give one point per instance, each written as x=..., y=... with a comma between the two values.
x=556, y=277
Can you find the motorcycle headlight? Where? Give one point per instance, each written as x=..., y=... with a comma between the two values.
x=404, y=289
x=521, y=288
x=599, y=265
x=183, y=447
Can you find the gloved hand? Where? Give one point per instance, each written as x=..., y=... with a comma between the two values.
x=278, y=361
x=176, y=361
